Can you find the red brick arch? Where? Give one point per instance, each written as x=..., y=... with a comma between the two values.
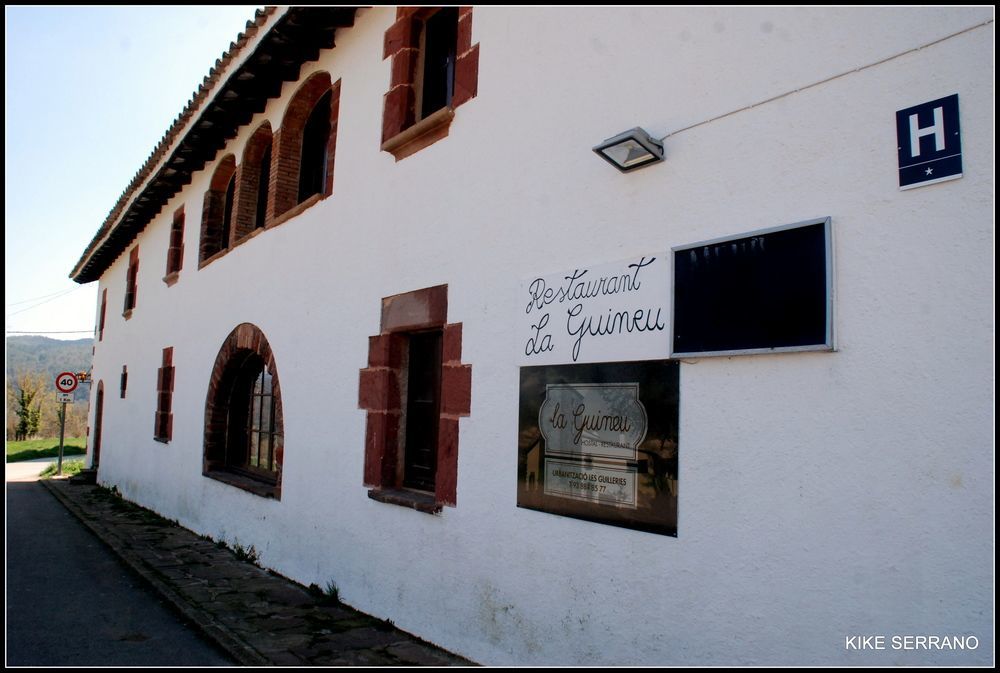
x=287, y=152
x=214, y=208
x=245, y=341
x=248, y=181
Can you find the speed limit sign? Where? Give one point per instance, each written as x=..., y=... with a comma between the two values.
x=66, y=382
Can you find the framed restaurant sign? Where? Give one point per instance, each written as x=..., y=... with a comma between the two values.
x=598, y=441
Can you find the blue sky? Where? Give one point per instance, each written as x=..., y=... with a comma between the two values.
x=89, y=92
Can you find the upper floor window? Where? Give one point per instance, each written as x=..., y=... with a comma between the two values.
x=217, y=210
x=278, y=171
x=131, y=281
x=437, y=51
x=175, y=251
x=435, y=69
x=307, y=145
x=253, y=188
x=104, y=310
x=263, y=184
x=227, y=213
x=313, y=166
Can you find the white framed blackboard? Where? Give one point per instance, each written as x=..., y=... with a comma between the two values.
x=766, y=291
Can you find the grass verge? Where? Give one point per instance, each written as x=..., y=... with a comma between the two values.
x=45, y=448
x=70, y=467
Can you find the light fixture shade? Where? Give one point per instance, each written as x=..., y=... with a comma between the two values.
x=631, y=150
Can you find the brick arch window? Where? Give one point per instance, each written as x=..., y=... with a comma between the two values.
x=217, y=210
x=253, y=183
x=313, y=162
x=244, y=430
x=305, y=146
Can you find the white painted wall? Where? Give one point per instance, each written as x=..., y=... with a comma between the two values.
x=822, y=495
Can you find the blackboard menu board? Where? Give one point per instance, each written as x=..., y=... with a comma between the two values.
x=761, y=292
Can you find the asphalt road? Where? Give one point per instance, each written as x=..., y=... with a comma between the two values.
x=70, y=602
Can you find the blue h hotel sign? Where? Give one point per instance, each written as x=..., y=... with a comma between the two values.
x=929, y=142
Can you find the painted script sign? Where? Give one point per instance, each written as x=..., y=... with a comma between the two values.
x=598, y=441
x=609, y=312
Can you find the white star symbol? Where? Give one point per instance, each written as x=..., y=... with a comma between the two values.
x=929, y=171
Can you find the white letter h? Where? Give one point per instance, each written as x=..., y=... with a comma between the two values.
x=916, y=133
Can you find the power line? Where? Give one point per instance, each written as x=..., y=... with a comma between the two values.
x=57, y=296
x=44, y=296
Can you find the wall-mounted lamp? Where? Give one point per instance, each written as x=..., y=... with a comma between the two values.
x=630, y=150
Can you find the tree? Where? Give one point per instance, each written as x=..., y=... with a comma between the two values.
x=28, y=390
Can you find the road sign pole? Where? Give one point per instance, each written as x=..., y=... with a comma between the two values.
x=66, y=383
x=62, y=435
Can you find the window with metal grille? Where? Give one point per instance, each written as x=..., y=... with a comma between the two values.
x=260, y=424
x=251, y=432
x=244, y=443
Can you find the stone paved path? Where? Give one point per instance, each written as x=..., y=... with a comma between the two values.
x=257, y=617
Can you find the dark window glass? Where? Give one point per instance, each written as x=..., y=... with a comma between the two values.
x=227, y=214
x=315, y=137
x=132, y=279
x=104, y=308
x=440, y=39
x=422, y=408
x=175, y=250
x=262, y=187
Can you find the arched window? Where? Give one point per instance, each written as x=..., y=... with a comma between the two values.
x=217, y=209
x=260, y=218
x=312, y=169
x=253, y=189
x=244, y=437
x=227, y=214
x=306, y=146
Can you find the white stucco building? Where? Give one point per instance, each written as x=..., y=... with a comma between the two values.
x=313, y=334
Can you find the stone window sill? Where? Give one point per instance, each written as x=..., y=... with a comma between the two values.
x=425, y=132
x=422, y=502
x=208, y=260
x=127, y=314
x=263, y=489
x=171, y=278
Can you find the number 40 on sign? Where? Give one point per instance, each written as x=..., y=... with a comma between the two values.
x=66, y=383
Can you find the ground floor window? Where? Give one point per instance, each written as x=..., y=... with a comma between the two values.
x=414, y=390
x=243, y=418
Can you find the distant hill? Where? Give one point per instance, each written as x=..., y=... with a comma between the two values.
x=51, y=356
